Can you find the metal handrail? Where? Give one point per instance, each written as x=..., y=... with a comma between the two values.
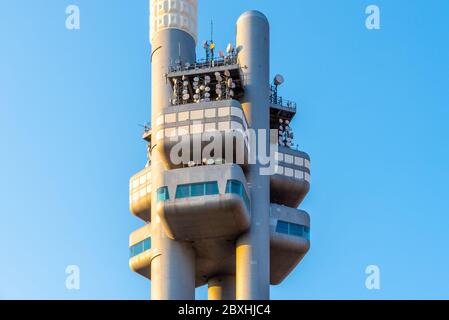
x=203, y=64
x=279, y=101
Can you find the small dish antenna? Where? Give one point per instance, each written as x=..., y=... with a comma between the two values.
x=278, y=80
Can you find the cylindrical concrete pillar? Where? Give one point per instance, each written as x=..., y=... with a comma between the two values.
x=221, y=288
x=173, y=33
x=253, y=248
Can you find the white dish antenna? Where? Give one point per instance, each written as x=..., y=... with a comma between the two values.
x=278, y=80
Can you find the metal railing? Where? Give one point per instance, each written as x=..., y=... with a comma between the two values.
x=204, y=64
x=279, y=101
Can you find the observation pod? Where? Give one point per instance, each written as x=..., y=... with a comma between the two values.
x=140, y=194
x=291, y=181
x=198, y=132
x=289, y=240
x=140, y=251
x=204, y=202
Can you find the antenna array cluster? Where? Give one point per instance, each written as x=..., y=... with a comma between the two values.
x=285, y=133
x=203, y=88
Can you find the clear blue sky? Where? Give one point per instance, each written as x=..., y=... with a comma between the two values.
x=374, y=113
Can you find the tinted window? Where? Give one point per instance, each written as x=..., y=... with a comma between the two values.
x=197, y=190
x=296, y=230
x=282, y=227
x=140, y=247
x=234, y=186
x=211, y=188
x=183, y=191
x=162, y=194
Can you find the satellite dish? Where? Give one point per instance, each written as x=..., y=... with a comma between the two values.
x=278, y=80
x=229, y=48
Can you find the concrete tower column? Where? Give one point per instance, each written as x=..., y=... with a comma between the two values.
x=221, y=288
x=173, y=36
x=253, y=248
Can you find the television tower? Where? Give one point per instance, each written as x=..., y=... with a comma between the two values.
x=212, y=214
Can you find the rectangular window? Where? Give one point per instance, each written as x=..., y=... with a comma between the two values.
x=147, y=244
x=162, y=194
x=211, y=188
x=279, y=156
x=210, y=126
x=140, y=247
x=307, y=163
x=196, y=128
x=183, y=116
x=223, y=112
x=183, y=130
x=209, y=113
x=282, y=227
x=197, y=190
x=183, y=191
x=296, y=230
x=307, y=233
x=307, y=177
x=299, y=161
x=236, y=187
x=170, y=118
x=289, y=172
x=289, y=159
x=222, y=126
x=299, y=174
x=170, y=132
x=246, y=200
x=196, y=115
x=279, y=169
x=160, y=120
